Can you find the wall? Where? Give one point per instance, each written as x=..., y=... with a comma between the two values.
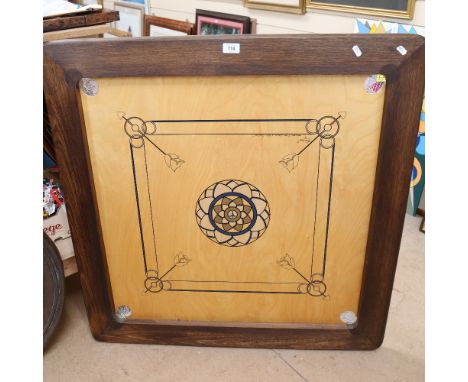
x=314, y=21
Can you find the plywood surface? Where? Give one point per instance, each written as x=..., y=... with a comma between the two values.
x=271, y=272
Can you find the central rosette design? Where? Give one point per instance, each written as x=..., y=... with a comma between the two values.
x=232, y=213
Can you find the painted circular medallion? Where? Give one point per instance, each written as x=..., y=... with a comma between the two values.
x=232, y=213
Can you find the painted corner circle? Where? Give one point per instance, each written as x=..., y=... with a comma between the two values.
x=232, y=213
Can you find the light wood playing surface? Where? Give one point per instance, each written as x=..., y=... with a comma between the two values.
x=209, y=158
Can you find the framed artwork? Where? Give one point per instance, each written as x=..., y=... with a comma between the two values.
x=217, y=23
x=267, y=211
x=160, y=26
x=145, y=3
x=131, y=17
x=289, y=6
x=402, y=9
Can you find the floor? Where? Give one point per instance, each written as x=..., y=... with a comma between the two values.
x=75, y=356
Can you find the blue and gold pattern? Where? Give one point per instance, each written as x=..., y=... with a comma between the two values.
x=232, y=213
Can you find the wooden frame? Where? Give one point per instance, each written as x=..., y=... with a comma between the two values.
x=67, y=62
x=243, y=22
x=79, y=20
x=134, y=6
x=279, y=6
x=180, y=26
x=382, y=12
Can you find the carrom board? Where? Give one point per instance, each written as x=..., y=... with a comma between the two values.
x=237, y=199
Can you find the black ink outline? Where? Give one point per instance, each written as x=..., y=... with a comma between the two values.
x=232, y=241
x=325, y=130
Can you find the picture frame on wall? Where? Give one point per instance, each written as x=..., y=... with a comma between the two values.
x=146, y=3
x=401, y=9
x=131, y=17
x=288, y=6
x=217, y=23
x=156, y=26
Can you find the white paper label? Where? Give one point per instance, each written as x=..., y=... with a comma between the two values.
x=402, y=50
x=357, y=51
x=231, y=48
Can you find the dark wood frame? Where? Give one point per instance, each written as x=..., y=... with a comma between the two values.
x=66, y=62
x=181, y=26
x=225, y=16
x=79, y=20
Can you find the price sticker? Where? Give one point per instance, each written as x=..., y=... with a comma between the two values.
x=231, y=48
